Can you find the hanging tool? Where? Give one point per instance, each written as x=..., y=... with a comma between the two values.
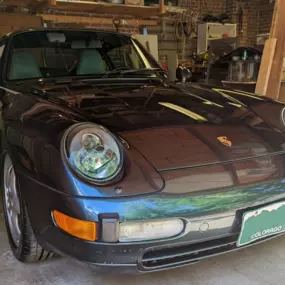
x=117, y=23
x=240, y=19
x=163, y=28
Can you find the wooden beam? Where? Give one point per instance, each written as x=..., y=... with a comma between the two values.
x=52, y=2
x=269, y=84
x=17, y=21
x=265, y=67
x=162, y=9
x=107, y=8
x=142, y=12
x=175, y=9
x=96, y=20
x=24, y=3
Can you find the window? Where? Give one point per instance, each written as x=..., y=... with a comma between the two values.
x=125, y=56
x=50, y=53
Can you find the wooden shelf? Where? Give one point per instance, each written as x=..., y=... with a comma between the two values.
x=95, y=20
x=175, y=9
x=107, y=8
x=90, y=7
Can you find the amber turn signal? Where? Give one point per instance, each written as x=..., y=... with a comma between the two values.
x=78, y=228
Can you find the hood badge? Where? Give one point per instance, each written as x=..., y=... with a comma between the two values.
x=225, y=141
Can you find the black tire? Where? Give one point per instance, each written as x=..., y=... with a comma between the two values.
x=28, y=249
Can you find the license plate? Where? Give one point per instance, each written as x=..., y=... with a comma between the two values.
x=263, y=222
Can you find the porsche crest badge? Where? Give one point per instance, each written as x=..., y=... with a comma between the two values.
x=225, y=141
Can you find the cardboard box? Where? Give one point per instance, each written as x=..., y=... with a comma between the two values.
x=135, y=2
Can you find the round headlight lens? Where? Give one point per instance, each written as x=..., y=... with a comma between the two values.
x=93, y=152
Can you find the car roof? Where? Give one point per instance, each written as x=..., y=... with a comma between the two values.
x=63, y=29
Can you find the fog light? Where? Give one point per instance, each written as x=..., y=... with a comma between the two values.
x=150, y=230
x=78, y=228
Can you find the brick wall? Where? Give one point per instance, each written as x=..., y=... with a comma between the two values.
x=248, y=30
x=214, y=7
x=251, y=21
x=265, y=18
x=254, y=22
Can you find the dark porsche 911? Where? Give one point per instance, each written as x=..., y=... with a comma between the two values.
x=105, y=161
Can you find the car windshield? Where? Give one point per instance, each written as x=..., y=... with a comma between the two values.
x=64, y=53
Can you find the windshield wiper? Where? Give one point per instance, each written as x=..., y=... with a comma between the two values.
x=68, y=81
x=72, y=81
x=136, y=71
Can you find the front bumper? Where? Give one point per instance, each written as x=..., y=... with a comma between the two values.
x=159, y=258
x=215, y=225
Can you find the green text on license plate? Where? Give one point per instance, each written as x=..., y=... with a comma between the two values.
x=261, y=223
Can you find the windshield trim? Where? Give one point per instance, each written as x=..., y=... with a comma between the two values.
x=144, y=59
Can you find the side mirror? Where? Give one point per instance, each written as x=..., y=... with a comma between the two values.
x=183, y=74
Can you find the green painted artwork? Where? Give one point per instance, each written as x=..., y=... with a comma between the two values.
x=261, y=223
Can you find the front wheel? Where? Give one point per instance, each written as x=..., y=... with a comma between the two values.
x=22, y=240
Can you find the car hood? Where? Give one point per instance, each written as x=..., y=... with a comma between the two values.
x=176, y=126
x=192, y=136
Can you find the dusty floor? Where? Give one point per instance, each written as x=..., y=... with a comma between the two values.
x=261, y=264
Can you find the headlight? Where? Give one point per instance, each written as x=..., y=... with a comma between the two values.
x=92, y=152
x=150, y=230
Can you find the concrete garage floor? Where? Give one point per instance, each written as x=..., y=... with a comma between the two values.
x=260, y=264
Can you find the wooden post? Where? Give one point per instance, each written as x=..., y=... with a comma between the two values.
x=94, y=20
x=265, y=67
x=52, y=2
x=162, y=9
x=270, y=73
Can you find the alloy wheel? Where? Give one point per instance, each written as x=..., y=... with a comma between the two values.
x=11, y=199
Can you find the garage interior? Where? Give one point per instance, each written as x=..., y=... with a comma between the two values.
x=237, y=44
